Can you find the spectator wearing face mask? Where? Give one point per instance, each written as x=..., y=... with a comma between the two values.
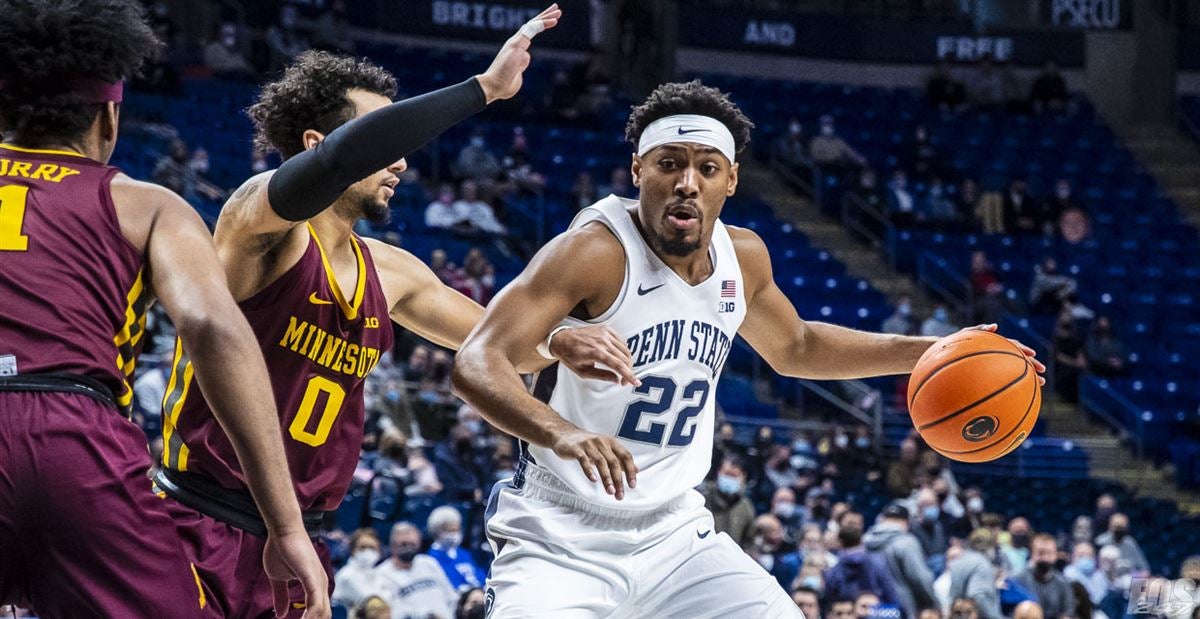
x=471, y=604
x=900, y=473
x=904, y=558
x=973, y=576
x=857, y=570
x=789, y=148
x=456, y=463
x=1015, y=547
x=225, y=55
x=928, y=529
x=767, y=548
x=726, y=499
x=901, y=322
x=358, y=580
x=417, y=586
x=938, y=324
x=1106, y=506
x=1051, y=587
x=475, y=162
x=783, y=507
x=921, y=158
x=1118, y=535
x=445, y=527
x=1083, y=570
x=939, y=208
x=813, y=549
x=973, y=513
x=829, y=151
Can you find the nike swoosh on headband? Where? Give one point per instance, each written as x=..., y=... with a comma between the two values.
x=683, y=131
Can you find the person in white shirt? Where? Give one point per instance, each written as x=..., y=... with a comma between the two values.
x=417, y=587
x=1084, y=570
x=441, y=213
x=358, y=580
x=475, y=212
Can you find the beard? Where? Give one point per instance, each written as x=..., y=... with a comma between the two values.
x=680, y=247
x=376, y=212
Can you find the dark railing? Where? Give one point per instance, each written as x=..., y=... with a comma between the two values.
x=935, y=276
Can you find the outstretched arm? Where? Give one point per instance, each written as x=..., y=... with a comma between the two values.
x=817, y=350
x=309, y=182
x=580, y=268
x=421, y=303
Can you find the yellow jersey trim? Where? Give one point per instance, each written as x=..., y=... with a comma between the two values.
x=349, y=309
x=39, y=151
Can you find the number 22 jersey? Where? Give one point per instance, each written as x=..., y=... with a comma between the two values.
x=680, y=336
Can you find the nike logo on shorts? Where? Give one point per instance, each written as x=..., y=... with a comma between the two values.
x=645, y=291
x=704, y=534
x=315, y=300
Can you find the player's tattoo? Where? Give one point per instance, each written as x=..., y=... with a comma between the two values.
x=247, y=190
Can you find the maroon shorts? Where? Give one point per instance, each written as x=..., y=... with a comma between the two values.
x=81, y=532
x=230, y=564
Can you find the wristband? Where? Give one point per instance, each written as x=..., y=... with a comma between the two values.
x=544, y=348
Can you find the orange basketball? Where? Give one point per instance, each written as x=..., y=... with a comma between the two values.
x=974, y=396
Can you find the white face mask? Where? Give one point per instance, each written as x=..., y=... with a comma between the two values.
x=450, y=540
x=785, y=509
x=366, y=557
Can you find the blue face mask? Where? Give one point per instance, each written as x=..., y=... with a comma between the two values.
x=801, y=446
x=931, y=513
x=812, y=582
x=729, y=485
x=862, y=442
x=940, y=315
x=1086, y=566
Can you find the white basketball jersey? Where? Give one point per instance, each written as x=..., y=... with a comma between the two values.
x=680, y=336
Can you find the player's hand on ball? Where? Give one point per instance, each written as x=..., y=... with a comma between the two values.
x=595, y=352
x=503, y=79
x=601, y=457
x=1029, y=352
x=290, y=556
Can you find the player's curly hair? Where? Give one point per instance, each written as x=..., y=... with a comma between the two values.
x=689, y=98
x=50, y=40
x=311, y=94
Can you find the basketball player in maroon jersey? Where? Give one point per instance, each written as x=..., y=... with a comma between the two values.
x=320, y=298
x=84, y=250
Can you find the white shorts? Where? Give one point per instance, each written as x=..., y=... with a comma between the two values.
x=559, y=556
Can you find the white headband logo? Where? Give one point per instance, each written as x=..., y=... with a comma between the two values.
x=690, y=128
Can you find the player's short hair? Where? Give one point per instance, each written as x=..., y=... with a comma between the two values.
x=441, y=517
x=52, y=41
x=311, y=94
x=807, y=589
x=689, y=98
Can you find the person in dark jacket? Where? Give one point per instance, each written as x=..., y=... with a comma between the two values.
x=1053, y=590
x=904, y=558
x=857, y=570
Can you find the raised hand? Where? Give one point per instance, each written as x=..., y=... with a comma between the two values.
x=599, y=453
x=288, y=557
x=503, y=78
x=595, y=352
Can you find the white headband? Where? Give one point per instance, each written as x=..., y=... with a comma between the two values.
x=688, y=128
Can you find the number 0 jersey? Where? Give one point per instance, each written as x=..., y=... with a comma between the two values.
x=72, y=299
x=319, y=347
x=680, y=336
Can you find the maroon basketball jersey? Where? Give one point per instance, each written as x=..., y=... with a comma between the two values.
x=72, y=300
x=319, y=346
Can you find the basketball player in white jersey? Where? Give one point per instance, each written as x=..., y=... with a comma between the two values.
x=667, y=276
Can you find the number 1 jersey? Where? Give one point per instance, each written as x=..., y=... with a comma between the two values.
x=680, y=336
x=319, y=346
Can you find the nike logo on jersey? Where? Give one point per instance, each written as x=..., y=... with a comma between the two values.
x=683, y=131
x=315, y=300
x=645, y=291
x=704, y=534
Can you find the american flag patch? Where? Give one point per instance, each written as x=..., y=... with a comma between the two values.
x=728, y=288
